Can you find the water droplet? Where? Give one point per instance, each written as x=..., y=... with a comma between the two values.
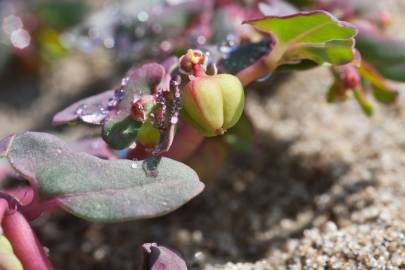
x=109, y=42
x=165, y=46
x=20, y=38
x=199, y=256
x=80, y=110
x=94, y=114
x=201, y=40
x=94, y=118
x=164, y=203
x=174, y=120
x=132, y=146
x=112, y=103
x=12, y=23
x=150, y=166
x=142, y=16
x=124, y=82
x=134, y=165
x=265, y=77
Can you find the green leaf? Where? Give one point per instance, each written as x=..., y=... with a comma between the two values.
x=5, y=55
x=381, y=90
x=243, y=56
x=96, y=189
x=241, y=137
x=385, y=54
x=120, y=134
x=365, y=105
x=8, y=260
x=316, y=36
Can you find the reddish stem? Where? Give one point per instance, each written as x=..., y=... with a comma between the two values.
x=186, y=141
x=198, y=71
x=3, y=208
x=253, y=72
x=25, y=243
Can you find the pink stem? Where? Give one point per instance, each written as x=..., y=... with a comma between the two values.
x=253, y=72
x=3, y=208
x=25, y=244
x=186, y=141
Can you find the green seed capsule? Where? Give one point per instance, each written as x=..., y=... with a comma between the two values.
x=214, y=104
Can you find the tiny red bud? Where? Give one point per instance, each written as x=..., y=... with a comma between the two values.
x=192, y=61
x=137, y=110
x=349, y=76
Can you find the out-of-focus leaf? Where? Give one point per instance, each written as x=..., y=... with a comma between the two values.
x=316, y=35
x=365, y=105
x=8, y=260
x=381, y=90
x=243, y=56
x=50, y=44
x=96, y=189
x=336, y=92
x=90, y=110
x=209, y=158
x=5, y=55
x=61, y=14
x=155, y=257
x=241, y=136
x=385, y=54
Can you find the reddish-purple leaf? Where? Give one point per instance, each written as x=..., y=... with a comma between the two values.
x=119, y=129
x=92, y=110
x=155, y=257
x=97, y=189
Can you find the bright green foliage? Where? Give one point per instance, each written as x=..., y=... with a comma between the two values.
x=316, y=36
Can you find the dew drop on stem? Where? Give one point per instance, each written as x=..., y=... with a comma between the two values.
x=265, y=77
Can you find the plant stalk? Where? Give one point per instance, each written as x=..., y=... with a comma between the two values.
x=253, y=72
x=26, y=245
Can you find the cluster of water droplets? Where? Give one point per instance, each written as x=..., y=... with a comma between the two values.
x=130, y=29
x=96, y=113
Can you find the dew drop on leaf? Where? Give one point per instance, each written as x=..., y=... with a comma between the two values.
x=150, y=166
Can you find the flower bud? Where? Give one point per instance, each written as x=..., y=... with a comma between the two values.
x=213, y=104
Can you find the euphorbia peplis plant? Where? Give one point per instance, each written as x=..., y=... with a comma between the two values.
x=147, y=117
